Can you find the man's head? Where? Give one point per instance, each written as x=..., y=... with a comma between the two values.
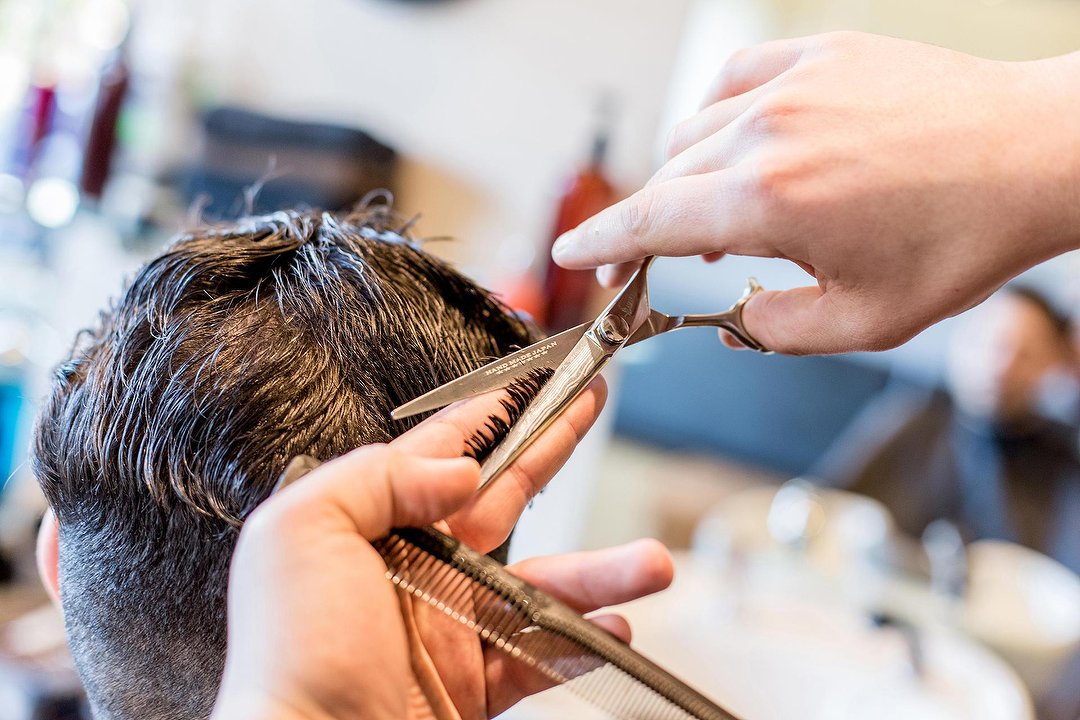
x=233, y=351
x=1000, y=357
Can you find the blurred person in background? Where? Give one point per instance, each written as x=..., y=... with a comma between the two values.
x=997, y=452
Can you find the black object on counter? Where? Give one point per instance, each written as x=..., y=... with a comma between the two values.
x=291, y=163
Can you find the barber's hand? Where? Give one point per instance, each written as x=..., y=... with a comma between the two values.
x=317, y=632
x=911, y=181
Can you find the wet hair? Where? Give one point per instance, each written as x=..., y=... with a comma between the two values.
x=234, y=350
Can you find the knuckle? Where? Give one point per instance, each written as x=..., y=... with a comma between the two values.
x=638, y=217
x=269, y=523
x=262, y=522
x=385, y=458
x=527, y=485
x=739, y=59
x=674, y=144
x=376, y=454
x=774, y=113
x=728, y=80
x=378, y=459
x=773, y=181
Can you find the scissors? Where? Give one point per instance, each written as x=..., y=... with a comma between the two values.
x=576, y=356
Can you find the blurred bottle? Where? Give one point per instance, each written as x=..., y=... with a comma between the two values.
x=566, y=293
x=42, y=109
x=36, y=123
x=101, y=137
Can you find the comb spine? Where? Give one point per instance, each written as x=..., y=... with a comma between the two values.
x=554, y=617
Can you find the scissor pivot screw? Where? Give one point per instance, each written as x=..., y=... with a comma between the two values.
x=613, y=329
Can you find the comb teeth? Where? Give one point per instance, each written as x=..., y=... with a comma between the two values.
x=537, y=630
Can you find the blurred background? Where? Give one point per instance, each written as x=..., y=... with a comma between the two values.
x=890, y=535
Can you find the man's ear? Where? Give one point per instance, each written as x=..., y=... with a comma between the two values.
x=48, y=555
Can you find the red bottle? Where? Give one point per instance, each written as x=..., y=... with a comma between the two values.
x=567, y=293
x=101, y=138
x=37, y=124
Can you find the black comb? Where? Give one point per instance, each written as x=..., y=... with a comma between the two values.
x=531, y=626
x=538, y=630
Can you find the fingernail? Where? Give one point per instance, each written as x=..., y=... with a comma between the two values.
x=605, y=274
x=731, y=341
x=562, y=247
x=298, y=467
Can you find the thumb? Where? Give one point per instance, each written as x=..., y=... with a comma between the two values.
x=801, y=321
x=375, y=488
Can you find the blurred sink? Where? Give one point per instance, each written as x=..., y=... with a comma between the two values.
x=1025, y=606
x=781, y=656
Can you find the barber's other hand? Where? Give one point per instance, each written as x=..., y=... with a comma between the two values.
x=317, y=632
x=910, y=180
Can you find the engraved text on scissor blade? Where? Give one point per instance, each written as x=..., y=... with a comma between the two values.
x=505, y=367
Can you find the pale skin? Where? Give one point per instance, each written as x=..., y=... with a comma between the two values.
x=910, y=181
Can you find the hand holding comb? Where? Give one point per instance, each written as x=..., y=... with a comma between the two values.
x=530, y=626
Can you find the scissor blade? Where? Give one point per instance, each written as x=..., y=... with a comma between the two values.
x=584, y=362
x=547, y=353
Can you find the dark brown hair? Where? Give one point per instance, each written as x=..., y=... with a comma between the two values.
x=234, y=350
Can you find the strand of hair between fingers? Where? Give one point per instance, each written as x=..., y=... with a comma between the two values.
x=518, y=396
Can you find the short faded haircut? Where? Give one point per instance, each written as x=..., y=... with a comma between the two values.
x=232, y=351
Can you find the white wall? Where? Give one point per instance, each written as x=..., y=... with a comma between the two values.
x=999, y=29
x=490, y=100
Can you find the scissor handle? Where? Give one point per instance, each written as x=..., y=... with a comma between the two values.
x=731, y=319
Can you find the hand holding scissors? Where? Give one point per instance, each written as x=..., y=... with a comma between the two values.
x=575, y=356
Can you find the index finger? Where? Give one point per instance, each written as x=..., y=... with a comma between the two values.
x=690, y=215
x=486, y=520
x=450, y=432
